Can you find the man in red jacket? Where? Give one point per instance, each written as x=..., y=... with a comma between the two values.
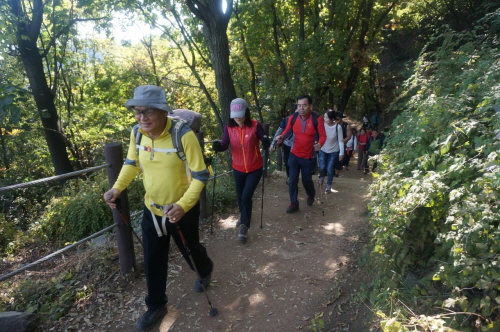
x=309, y=132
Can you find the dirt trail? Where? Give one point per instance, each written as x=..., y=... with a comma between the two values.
x=297, y=268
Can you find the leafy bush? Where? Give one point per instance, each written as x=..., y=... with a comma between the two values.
x=435, y=207
x=79, y=210
x=224, y=197
x=73, y=282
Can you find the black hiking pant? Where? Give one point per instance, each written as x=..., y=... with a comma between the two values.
x=156, y=250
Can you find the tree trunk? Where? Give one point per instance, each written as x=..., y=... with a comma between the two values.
x=252, y=68
x=277, y=45
x=302, y=37
x=27, y=35
x=358, y=62
x=4, y=150
x=215, y=23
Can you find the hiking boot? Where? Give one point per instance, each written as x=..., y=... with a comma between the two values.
x=320, y=181
x=292, y=208
x=242, y=235
x=205, y=281
x=310, y=200
x=328, y=188
x=150, y=317
x=238, y=223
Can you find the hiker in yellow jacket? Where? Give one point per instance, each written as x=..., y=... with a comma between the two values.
x=171, y=198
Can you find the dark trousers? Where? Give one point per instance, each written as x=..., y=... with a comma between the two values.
x=156, y=252
x=304, y=167
x=347, y=158
x=286, y=154
x=245, y=184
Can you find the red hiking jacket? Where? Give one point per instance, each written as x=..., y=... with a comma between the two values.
x=304, y=138
x=244, y=144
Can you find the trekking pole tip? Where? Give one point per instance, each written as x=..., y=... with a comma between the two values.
x=213, y=312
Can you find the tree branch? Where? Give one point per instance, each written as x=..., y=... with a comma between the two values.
x=65, y=29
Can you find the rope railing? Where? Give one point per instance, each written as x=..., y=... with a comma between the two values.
x=13, y=273
x=218, y=176
x=90, y=237
x=41, y=260
x=52, y=178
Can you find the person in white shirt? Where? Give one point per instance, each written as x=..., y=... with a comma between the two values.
x=350, y=147
x=332, y=151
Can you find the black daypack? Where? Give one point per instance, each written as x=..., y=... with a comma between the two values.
x=315, y=115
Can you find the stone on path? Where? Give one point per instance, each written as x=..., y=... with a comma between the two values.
x=13, y=321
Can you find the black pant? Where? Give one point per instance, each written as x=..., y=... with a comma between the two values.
x=156, y=252
x=245, y=184
x=347, y=157
x=286, y=155
x=304, y=167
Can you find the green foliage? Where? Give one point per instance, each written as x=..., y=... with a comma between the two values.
x=55, y=299
x=317, y=323
x=75, y=214
x=435, y=206
x=51, y=298
x=224, y=198
x=78, y=210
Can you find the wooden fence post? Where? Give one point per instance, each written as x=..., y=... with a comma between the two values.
x=114, y=157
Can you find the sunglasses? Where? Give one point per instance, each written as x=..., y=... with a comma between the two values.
x=146, y=112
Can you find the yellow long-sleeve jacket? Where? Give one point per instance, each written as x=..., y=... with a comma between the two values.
x=164, y=173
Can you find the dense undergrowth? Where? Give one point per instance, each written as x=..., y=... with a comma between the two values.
x=435, y=206
x=73, y=211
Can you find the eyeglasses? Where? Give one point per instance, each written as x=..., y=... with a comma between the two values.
x=147, y=112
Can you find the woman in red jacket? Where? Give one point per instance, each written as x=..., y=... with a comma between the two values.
x=243, y=134
x=362, y=148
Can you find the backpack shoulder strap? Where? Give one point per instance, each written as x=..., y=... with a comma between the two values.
x=315, y=116
x=138, y=137
x=294, y=118
x=178, y=129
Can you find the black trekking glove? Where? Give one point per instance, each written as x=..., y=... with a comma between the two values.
x=216, y=146
x=266, y=142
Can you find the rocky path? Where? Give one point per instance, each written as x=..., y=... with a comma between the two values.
x=299, y=272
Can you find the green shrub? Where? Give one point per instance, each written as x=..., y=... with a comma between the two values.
x=435, y=209
x=224, y=197
x=79, y=210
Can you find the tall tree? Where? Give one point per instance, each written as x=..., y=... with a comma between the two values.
x=370, y=25
x=27, y=27
x=41, y=30
x=190, y=50
x=215, y=21
x=253, y=77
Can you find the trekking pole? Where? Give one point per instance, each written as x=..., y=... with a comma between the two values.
x=118, y=203
x=213, y=311
x=320, y=186
x=213, y=194
x=263, y=177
